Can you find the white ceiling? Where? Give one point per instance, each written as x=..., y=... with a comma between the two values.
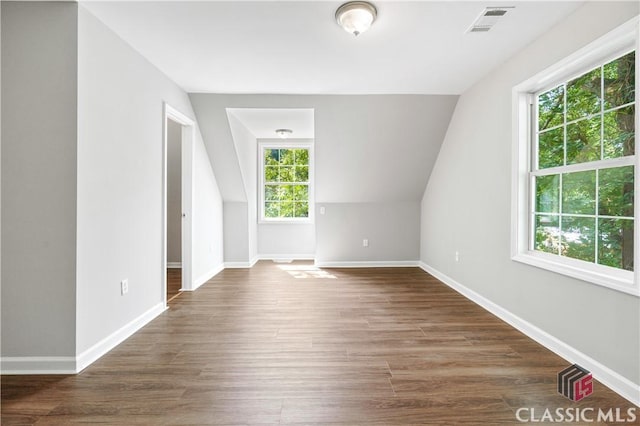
x=295, y=47
x=263, y=122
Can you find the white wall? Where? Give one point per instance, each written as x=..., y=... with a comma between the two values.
x=174, y=192
x=280, y=240
x=246, y=148
x=207, y=239
x=39, y=100
x=120, y=209
x=466, y=208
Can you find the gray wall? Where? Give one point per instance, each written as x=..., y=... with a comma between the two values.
x=120, y=209
x=174, y=192
x=39, y=100
x=391, y=228
x=466, y=208
x=236, y=232
x=368, y=150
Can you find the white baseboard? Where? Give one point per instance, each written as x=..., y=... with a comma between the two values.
x=38, y=365
x=618, y=383
x=92, y=354
x=241, y=265
x=286, y=257
x=368, y=264
x=206, y=277
x=73, y=365
x=174, y=265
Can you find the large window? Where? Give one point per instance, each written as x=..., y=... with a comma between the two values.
x=286, y=182
x=577, y=169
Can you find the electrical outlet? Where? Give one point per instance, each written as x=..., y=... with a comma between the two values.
x=457, y=256
x=124, y=287
x=365, y=243
x=322, y=210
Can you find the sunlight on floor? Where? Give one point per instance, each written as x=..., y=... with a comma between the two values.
x=306, y=271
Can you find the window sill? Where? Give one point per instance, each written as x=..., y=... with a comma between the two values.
x=622, y=281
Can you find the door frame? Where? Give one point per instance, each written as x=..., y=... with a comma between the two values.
x=188, y=134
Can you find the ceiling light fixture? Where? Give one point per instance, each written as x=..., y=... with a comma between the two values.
x=356, y=16
x=284, y=133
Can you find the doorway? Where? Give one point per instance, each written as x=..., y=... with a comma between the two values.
x=178, y=203
x=174, y=209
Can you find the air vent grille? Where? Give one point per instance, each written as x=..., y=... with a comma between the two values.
x=488, y=18
x=479, y=29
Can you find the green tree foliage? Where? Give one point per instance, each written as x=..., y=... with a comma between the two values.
x=286, y=190
x=577, y=124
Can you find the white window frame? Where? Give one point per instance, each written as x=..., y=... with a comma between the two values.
x=610, y=46
x=262, y=145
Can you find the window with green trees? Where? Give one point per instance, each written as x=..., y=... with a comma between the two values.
x=583, y=167
x=285, y=182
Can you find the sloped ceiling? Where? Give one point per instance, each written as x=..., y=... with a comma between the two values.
x=368, y=148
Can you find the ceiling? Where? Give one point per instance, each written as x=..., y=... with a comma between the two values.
x=262, y=122
x=296, y=47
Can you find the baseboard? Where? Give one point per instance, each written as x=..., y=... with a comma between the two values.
x=286, y=256
x=174, y=265
x=206, y=277
x=92, y=354
x=241, y=265
x=368, y=264
x=616, y=382
x=38, y=365
x=74, y=365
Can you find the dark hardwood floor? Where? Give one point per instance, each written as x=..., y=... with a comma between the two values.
x=287, y=343
x=174, y=283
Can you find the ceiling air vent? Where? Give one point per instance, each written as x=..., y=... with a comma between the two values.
x=488, y=19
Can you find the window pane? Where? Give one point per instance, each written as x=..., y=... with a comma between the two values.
x=547, y=234
x=551, y=108
x=271, y=193
x=583, y=95
x=271, y=157
x=615, y=243
x=619, y=81
x=301, y=209
x=579, y=192
x=300, y=193
x=619, y=132
x=287, y=174
x=615, y=188
x=271, y=173
x=272, y=209
x=578, y=240
x=548, y=194
x=302, y=157
x=583, y=141
x=286, y=209
x=551, y=148
x=302, y=174
x=286, y=192
x=286, y=157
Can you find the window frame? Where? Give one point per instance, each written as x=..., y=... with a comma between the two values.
x=614, y=44
x=285, y=144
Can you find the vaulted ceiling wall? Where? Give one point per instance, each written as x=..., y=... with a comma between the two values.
x=368, y=148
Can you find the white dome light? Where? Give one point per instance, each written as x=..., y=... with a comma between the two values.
x=356, y=16
x=284, y=133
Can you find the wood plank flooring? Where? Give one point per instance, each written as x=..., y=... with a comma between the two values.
x=290, y=344
x=174, y=283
